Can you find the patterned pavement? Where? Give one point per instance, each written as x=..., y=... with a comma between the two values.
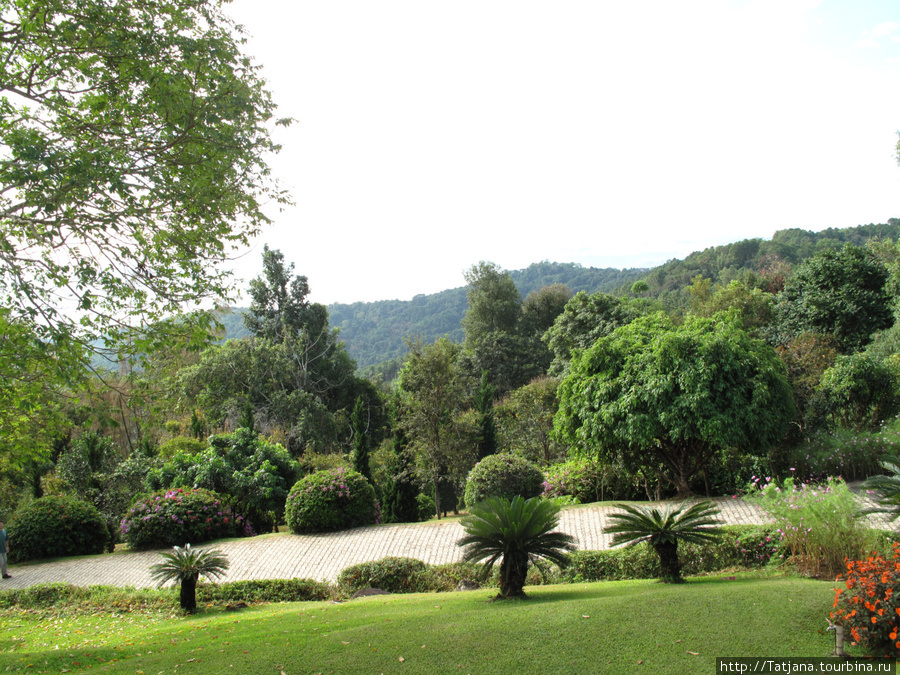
x=323, y=556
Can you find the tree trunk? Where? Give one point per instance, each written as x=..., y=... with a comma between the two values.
x=189, y=593
x=513, y=572
x=669, y=565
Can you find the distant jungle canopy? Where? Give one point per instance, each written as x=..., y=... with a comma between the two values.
x=374, y=332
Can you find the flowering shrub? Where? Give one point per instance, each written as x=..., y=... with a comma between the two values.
x=505, y=476
x=816, y=524
x=335, y=499
x=57, y=526
x=870, y=604
x=582, y=480
x=844, y=452
x=179, y=516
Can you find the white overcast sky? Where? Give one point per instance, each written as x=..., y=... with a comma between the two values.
x=434, y=134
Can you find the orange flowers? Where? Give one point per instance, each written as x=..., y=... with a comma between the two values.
x=866, y=606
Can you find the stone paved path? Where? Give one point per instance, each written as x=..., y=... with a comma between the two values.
x=323, y=556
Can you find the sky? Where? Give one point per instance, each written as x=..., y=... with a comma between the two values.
x=431, y=135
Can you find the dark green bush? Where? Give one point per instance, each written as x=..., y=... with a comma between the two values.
x=426, y=506
x=505, y=476
x=266, y=590
x=858, y=392
x=446, y=577
x=56, y=526
x=183, y=445
x=394, y=575
x=178, y=517
x=335, y=499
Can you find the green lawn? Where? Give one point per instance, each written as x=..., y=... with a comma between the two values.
x=612, y=627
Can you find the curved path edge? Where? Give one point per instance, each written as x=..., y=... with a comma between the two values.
x=323, y=556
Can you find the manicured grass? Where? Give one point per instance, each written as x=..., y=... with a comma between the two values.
x=612, y=627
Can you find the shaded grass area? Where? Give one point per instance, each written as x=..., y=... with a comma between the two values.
x=613, y=627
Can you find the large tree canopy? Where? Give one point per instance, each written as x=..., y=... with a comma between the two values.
x=840, y=293
x=653, y=394
x=133, y=136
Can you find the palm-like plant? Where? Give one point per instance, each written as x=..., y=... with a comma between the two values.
x=886, y=487
x=515, y=532
x=185, y=565
x=663, y=530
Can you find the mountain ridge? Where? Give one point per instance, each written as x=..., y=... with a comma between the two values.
x=375, y=332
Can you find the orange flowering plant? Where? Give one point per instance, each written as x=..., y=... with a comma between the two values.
x=869, y=606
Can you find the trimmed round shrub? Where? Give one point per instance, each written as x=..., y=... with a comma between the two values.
x=581, y=479
x=55, y=526
x=177, y=517
x=334, y=499
x=392, y=574
x=505, y=476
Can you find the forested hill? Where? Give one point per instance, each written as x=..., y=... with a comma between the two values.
x=669, y=282
x=374, y=332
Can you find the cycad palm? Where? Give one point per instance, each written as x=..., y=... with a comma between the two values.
x=515, y=532
x=663, y=530
x=185, y=565
x=887, y=487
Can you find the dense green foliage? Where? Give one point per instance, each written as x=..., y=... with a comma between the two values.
x=857, y=392
x=177, y=517
x=666, y=398
x=394, y=575
x=525, y=422
x=769, y=260
x=375, y=332
x=336, y=499
x=400, y=491
x=55, y=526
x=133, y=140
x=251, y=475
x=584, y=319
x=516, y=533
x=433, y=394
x=265, y=590
x=584, y=481
x=841, y=293
x=504, y=476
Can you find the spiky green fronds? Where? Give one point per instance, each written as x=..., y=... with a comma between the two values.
x=696, y=523
x=886, y=487
x=517, y=532
x=187, y=563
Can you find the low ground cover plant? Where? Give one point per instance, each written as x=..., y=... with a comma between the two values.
x=266, y=590
x=817, y=524
x=392, y=574
x=177, y=517
x=334, y=499
x=57, y=525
